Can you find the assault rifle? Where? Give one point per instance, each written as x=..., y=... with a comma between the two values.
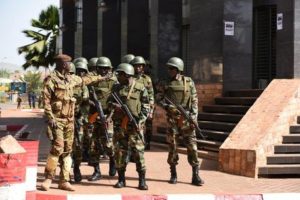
x=99, y=111
x=126, y=110
x=186, y=116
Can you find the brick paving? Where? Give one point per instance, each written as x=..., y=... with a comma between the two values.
x=157, y=169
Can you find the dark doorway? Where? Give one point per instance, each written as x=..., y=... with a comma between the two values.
x=264, y=45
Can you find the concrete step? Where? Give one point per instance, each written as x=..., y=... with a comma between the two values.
x=298, y=119
x=244, y=93
x=235, y=100
x=279, y=169
x=215, y=135
x=292, y=138
x=287, y=148
x=283, y=159
x=234, y=109
x=159, y=137
x=209, y=145
x=217, y=126
x=221, y=117
x=295, y=129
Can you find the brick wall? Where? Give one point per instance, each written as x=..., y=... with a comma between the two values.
x=206, y=94
x=266, y=121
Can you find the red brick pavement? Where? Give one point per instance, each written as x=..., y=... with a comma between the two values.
x=216, y=182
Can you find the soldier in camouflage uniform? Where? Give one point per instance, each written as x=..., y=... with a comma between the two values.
x=181, y=90
x=102, y=90
x=139, y=63
x=92, y=65
x=81, y=94
x=135, y=96
x=59, y=109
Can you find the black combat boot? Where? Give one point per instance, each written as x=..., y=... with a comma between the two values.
x=121, y=179
x=173, y=179
x=112, y=166
x=196, y=180
x=96, y=175
x=77, y=173
x=142, y=181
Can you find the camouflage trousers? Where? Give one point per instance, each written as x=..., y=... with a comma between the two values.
x=61, y=149
x=126, y=140
x=99, y=143
x=81, y=144
x=189, y=139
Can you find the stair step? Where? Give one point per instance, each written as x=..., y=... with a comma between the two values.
x=287, y=148
x=244, y=93
x=295, y=129
x=279, y=169
x=235, y=109
x=209, y=145
x=292, y=138
x=218, y=126
x=158, y=137
x=221, y=117
x=215, y=135
x=284, y=159
x=298, y=119
x=235, y=100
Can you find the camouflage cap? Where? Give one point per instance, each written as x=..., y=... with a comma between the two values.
x=62, y=58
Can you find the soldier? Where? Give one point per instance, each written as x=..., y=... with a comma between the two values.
x=102, y=90
x=92, y=65
x=183, y=92
x=81, y=94
x=139, y=63
x=134, y=95
x=59, y=109
x=127, y=58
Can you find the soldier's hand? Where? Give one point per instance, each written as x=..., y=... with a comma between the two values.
x=52, y=123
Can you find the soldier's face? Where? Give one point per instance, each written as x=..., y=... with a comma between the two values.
x=103, y=70
x=138, y=69
x=172, y=71
x=122, y=77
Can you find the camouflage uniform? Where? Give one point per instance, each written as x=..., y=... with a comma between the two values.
x=182, y=91
x=59, y=107
x=135, y=96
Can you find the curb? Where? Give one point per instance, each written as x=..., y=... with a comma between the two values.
x=266, y=196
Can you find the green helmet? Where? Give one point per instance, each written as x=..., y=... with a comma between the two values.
x=103, y=62
x=126, y=68
x=176, y=62
x=81, y=65
x=80, y=59
x=138, y=60
x=72, y=68
x=92, y=62
x=127, y=58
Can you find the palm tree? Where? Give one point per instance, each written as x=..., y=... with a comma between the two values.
x=41, y=52
x=33, y=80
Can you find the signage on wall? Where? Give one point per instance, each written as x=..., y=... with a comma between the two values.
x=279, y=21
x=228, y=28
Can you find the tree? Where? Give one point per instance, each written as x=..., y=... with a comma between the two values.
x=42, y=51
x=33, y=80
x=4, y=73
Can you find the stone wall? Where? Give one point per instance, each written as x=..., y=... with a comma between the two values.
x=263, y=125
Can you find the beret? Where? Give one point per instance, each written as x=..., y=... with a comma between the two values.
x=62, y=58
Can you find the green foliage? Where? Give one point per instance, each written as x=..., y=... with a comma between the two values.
x=33, y=80
x=42, y=51
x=4, y=73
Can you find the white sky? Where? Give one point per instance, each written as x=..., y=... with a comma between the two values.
x=15, y=16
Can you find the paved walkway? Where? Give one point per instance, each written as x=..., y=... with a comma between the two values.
x=216, y=182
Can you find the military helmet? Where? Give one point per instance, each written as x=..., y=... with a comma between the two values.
x=138, y=60
x=103, y=62
x=81, y=65
x=92, y=62
x=72, y=68
x=80, y=59
x=176, y=62
x=127, y=58
x=126, y=68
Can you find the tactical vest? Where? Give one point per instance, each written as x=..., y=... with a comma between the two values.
x=130, y=95
x=180, y=91
x=103, y=90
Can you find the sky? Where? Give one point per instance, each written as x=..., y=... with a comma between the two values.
x=15, y=16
